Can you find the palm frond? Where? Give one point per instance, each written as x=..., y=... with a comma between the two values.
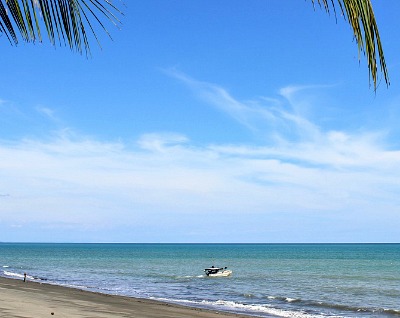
x=65, y=21
x=6, y=26
x=361, y=18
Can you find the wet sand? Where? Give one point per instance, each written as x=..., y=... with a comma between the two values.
x=35, y=300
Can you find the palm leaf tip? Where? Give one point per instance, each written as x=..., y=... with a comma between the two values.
x=361, y=18
x=65, y=21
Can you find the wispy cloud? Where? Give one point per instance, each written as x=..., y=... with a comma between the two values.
x=246, y=113
x=47, y=112
x=296, y=183
x=91, y=183
x=158, y=142
x=281, y=118
x=287, y=118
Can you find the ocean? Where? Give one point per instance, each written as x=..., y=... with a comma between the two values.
x=268, y=280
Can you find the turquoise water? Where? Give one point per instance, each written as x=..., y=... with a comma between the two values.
x=284, y=280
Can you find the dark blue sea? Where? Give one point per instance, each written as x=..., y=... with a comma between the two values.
x=283, y=280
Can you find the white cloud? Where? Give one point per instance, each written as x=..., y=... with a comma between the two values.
x=47, y=112
x=279, y=119
x=295, y=183
x=88, y=183
x=158, y=142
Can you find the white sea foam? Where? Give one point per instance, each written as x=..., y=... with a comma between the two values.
x=291, y=300
x=190, y=276
x=246, y=308
x=11, y=274
x=6, y=266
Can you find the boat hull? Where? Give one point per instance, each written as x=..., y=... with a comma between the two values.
x=223, y=273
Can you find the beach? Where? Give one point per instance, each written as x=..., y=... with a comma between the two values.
x=29, y=299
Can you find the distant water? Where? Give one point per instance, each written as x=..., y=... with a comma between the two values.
x=285, y=280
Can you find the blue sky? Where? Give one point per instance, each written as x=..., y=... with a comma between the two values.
x=203, y=121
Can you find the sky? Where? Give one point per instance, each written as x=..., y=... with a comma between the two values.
x=227, y=121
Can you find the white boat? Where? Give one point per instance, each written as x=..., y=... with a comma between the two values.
x=217, y=272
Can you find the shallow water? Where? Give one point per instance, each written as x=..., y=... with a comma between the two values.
x=287, y=280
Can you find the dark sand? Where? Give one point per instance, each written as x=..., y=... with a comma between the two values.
x=35, y=300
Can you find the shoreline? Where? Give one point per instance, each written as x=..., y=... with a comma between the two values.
x=19, y=299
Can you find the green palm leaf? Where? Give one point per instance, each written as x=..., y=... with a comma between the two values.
x=361, y=18
x=64, y=20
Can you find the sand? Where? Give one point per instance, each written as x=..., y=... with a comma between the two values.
x=29, y=299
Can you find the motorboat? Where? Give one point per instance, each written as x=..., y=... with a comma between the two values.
x=217, y=271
